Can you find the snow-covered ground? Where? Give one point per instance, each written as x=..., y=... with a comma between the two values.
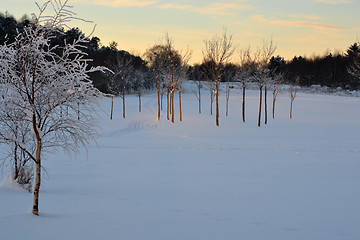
x=149, y=180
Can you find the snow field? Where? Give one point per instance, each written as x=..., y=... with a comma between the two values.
x=149, y=180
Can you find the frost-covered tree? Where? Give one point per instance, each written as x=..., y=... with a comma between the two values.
x=13, y=127
x=37, y=81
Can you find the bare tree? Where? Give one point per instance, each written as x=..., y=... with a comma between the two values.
x=218, y=52
x=276, y=81
x=155, y=58
x=123, y=72
x=227, y=77
x=138, y=85
x=198, y=77
x=171, y=66
x=175, y=70
x=262, y=75
x=38, y=82
x=244, y=73
x=179, y=89
x=198, y=93
x=293, y=90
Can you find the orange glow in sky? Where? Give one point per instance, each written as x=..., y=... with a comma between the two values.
x=305, y=27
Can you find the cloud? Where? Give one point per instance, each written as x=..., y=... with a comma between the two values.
x=216, y=8
x=307, y=17
x=121, y=3
x=334, y=2
x=292, y=23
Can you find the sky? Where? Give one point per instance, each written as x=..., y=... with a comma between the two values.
x=297, y=27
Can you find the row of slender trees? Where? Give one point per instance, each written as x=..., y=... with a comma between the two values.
x=164, y=66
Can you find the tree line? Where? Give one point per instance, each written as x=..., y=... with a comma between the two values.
x=330, y=69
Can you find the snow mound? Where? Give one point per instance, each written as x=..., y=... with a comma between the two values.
x=10, y=183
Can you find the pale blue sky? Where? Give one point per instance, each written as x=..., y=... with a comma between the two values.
x=303, y=27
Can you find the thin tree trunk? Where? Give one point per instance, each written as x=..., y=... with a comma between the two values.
x=158, y=96
x=161, y=102
x=243, y=104
x=35, y=210
x=227, y=98
x=292, y=97
x=199, y=98
x=78, y=111
x=217, y=103
x=168, y=105
x=265, y=103
x=37, y=179
x=139, y=103
x=211, y=101
x=259, y=120
x=123, y=98
x=170, y=111
x=274, y=102
x=16, y=164
x=180, y=106
x=112, y=107
x=172, y=106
